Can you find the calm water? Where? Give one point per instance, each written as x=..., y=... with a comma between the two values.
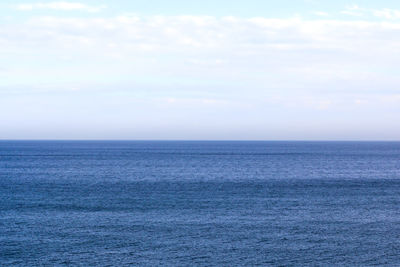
x=199, y=203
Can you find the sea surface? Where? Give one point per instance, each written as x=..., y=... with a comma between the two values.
x=120, y=203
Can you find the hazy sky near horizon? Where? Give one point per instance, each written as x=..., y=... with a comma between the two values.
x=155, y=69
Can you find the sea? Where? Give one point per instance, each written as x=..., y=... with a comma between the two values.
x=199, y=203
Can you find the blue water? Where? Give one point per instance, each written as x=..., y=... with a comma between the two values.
x=199, y=203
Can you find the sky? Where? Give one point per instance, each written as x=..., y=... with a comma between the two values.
x=200, y=70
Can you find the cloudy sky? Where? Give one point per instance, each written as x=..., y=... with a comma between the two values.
x=210, y=69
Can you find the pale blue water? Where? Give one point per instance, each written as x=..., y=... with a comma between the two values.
x=199, y=203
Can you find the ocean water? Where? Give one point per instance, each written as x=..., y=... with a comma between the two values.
x=199, y=203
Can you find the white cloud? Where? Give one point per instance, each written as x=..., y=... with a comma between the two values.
x=195, y=57
x=66, y=6
x=321, y=13
x=354, y=11
x=196, y=35
x=387, y=13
